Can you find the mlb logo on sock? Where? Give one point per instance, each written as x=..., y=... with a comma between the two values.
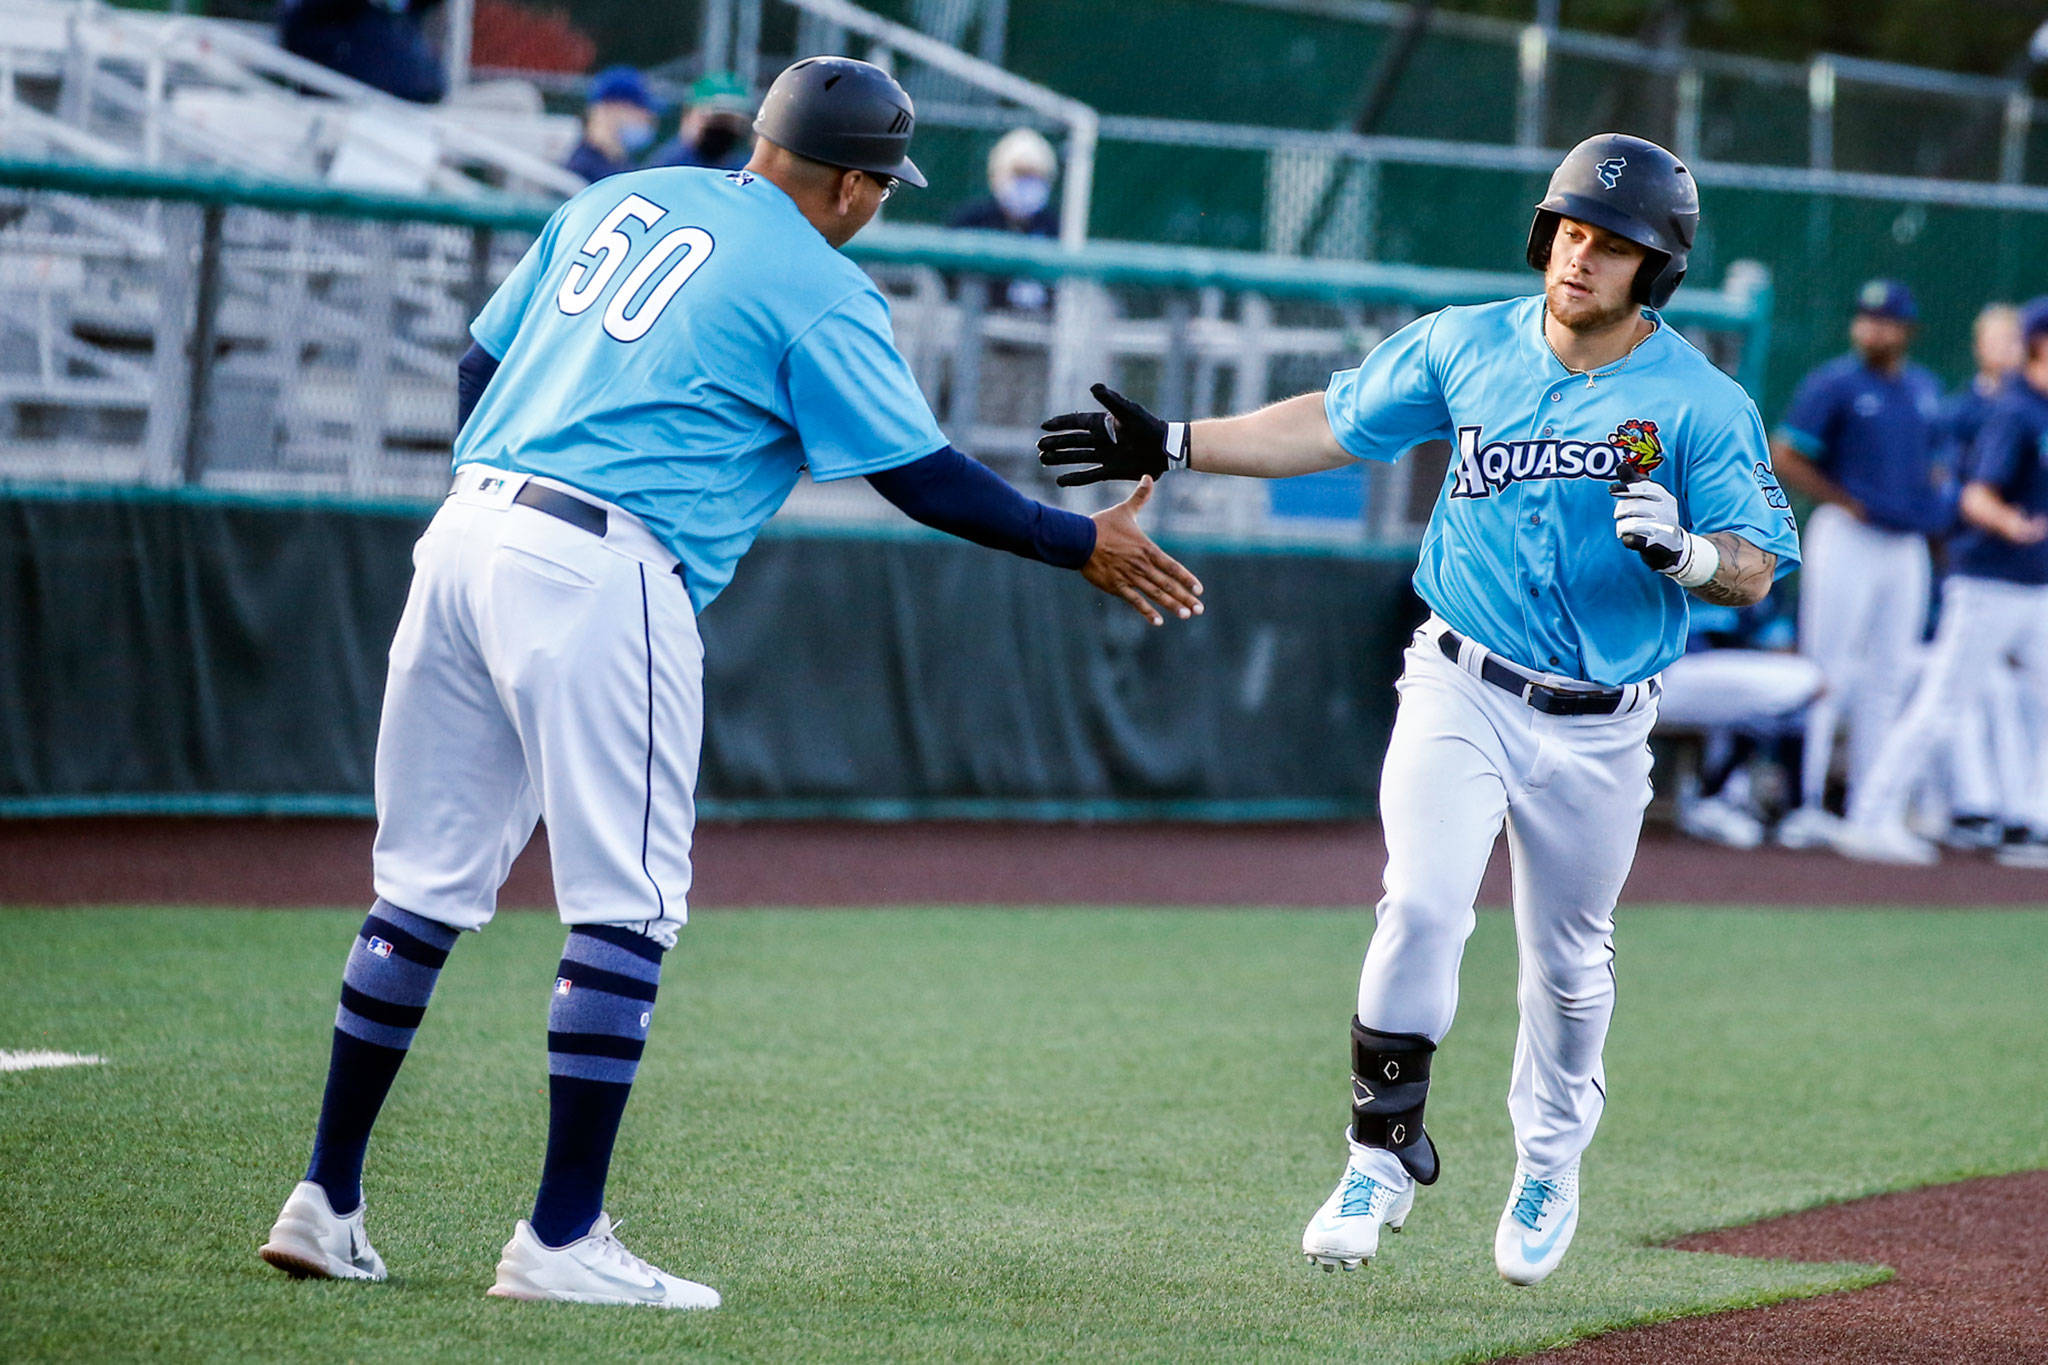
x=561, y=985
x=379, y=947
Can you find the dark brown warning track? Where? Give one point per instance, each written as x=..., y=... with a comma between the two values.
x=258, y=862
x=1971, y=1288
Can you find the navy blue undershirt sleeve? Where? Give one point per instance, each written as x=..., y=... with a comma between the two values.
x=472, y=374
x=963, y=497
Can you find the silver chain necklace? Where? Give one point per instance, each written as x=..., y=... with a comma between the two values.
x=1591, y=375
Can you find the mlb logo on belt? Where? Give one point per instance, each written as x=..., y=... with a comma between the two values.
x=379, y=947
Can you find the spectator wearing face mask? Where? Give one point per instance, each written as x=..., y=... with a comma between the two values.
x=618, y=124
x=717, y=131
x=1021, y=169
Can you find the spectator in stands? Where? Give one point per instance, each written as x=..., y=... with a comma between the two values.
x=1021, y=169
x=1862, y=440
x=718, y=128
x=1741, y=687
x=618, y=124
x=378, y=42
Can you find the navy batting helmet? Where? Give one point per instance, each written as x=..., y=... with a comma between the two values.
x=1634, y=189
x=842, y=112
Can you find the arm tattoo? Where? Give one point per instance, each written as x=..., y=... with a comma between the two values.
x=1744, y=576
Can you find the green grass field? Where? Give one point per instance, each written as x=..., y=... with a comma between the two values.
x=996, y=1135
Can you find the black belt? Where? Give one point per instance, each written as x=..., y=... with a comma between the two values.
x=578, y=513
x=1552, y=701
x=582, y=515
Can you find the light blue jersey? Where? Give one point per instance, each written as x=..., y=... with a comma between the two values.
x=681, y=342
x=1521, y=553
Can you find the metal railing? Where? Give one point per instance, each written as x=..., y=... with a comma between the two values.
x=255, y=336
x=189, y=91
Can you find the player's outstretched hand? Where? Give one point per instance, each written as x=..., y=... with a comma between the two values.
x=1127, y=564
x=1123, y=441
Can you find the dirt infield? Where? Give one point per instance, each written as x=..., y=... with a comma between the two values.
x=327, y=862
x=1970, y=1288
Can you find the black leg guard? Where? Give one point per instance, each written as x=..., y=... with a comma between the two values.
x=1389, y=1082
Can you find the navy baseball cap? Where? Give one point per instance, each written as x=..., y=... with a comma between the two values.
x=1887, y=299
x=621, y=83
x=2034, y=318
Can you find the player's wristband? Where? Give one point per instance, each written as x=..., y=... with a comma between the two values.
x=1177, y=444
x=1700, y=562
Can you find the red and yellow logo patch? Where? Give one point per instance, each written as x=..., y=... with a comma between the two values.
x=1639, y=438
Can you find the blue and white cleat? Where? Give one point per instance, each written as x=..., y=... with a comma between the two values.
x=1346, y=1230
x=1537, y=1225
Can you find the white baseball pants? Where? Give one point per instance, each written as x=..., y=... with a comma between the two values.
x=1862, y=607
x=1467, y=757
x=540, y=670
x=1736, y=687
x=1984, y=622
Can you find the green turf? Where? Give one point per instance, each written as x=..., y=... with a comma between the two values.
x=982, y=1134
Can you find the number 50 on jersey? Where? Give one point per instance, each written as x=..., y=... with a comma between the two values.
x=651, y=283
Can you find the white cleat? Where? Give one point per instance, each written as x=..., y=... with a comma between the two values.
x=1721, y=822
x=596, y=1268
x=1892, y=844
x=310, y=1241
x=1537, y=1225
x=1807, y=827
x=1345, y=1233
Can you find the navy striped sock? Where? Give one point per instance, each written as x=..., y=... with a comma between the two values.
x=384, y=992
x=597, y=1025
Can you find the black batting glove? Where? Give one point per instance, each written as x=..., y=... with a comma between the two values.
x=1123, y=441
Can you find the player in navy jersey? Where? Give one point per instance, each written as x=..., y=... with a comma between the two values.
x=1863, y=440
x=1996, y=608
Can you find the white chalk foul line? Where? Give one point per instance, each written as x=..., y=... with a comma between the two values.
x=33, y=1061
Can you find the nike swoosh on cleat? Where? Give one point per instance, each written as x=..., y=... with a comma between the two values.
x=1542, y=1249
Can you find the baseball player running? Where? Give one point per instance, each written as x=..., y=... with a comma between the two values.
x=1527, y=697
x=646, y=385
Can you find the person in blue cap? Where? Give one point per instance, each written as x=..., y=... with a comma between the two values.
x=618, y=124
x=1862, y=441
x=1995, y=608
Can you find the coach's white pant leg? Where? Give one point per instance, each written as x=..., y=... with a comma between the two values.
x=1572, y=832
x=1827, y=635
x=1442, y=799
x=598, y=659
x=1719, y=687
x=454, y=806
x=2029, y=612
x=1900, y=581
x=1970, y=638
x=1862, y=605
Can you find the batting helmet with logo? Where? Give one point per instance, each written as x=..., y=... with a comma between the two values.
x=842, y=112
x=1634, y=189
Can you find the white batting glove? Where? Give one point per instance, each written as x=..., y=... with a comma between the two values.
x=1646, y=520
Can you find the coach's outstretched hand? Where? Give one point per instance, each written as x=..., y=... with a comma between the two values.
x=1127, y=564
x=1122, y=442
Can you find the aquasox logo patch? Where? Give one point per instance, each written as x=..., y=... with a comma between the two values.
x=1486, y=468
